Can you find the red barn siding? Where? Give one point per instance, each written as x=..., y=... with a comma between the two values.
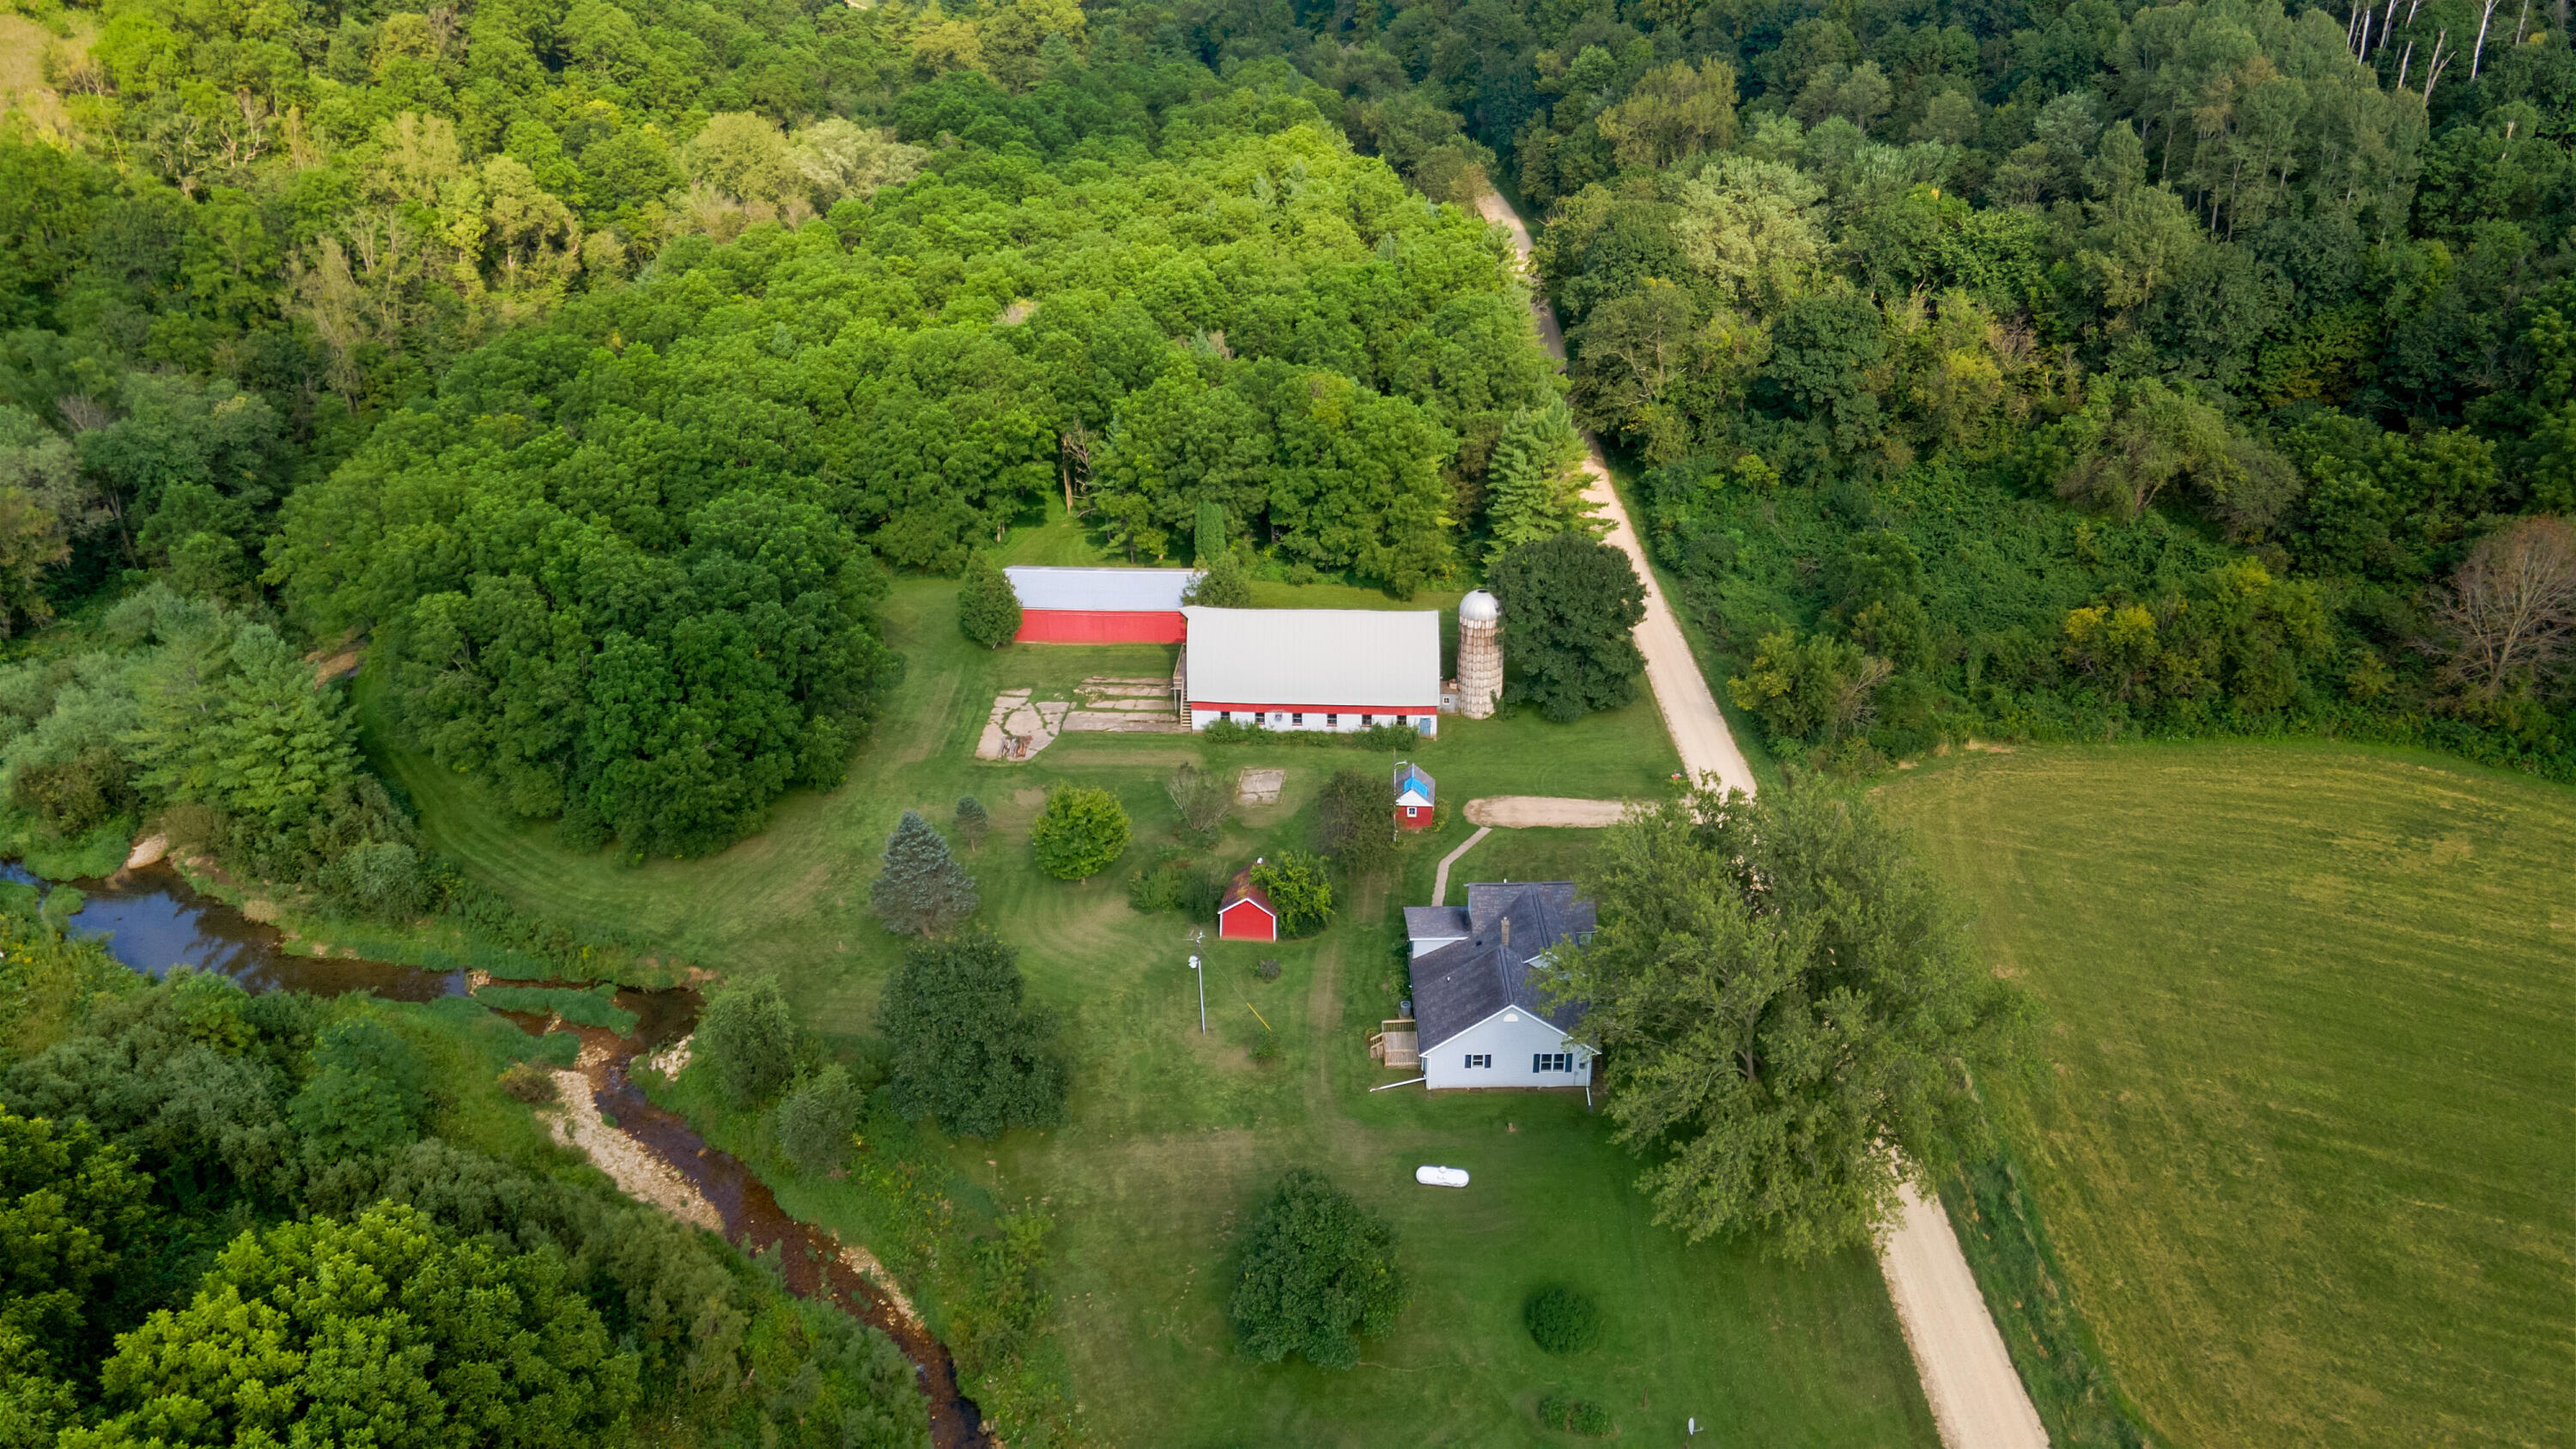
x=1246, y=921
x=1102, y=626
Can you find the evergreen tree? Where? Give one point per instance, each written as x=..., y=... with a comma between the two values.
x=968, y=1049
x=971, y=822
x=988, y=612
x=923, y=890
x=1225, y=585
x=1209, y=541
x=1534, y=486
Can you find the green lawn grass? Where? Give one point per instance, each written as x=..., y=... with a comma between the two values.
x=2305, y=1146
x=1175, y=1135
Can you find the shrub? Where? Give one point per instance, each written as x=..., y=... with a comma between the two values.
x=1225, y=585
x=1268, y=970
x=749, y=1037
x=1296, y=886
x=815, y=1119
x=1562, y=1320
x=987, y=611
x=1319, y=1272
x=1354, y=820
x=1161, y=887
x=1082, y=829
x=1576, y=1416
x=529, y=1083
x=369, y=1090
x=1233, y=732
x=1202, y=798
x=968, y=1049
x=1266, y=1047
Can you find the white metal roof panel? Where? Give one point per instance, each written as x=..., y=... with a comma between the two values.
x=1105, y=590
x=1353, y=658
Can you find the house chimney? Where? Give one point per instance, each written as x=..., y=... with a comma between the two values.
x=1507, y=933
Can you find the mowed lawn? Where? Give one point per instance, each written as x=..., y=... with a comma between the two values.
x=2308, y=1152
x=1176, y=1135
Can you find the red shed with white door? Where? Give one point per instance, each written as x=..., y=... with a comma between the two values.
x=1246, y=913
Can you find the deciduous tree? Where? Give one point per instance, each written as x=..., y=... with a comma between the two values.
x=1319, y=1274
x=1574, y=604
x=988, y=611
x=968, y=1048
x=1789, y=1013
x=1082, y=829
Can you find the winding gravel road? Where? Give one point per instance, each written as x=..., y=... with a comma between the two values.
x=1976, y=1397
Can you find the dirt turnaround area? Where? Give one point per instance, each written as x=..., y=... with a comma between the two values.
x=1516, y=812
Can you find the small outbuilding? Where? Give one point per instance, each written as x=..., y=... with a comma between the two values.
x=1483, y=1021
x=1101, y=606
x=1246, y=913
x=1413, y=801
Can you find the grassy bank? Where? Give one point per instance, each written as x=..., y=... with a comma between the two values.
x=2305, y=1151
x=1175, y=1135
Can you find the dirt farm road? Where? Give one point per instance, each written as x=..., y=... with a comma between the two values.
x=1976, y=1397
x=1699, y=731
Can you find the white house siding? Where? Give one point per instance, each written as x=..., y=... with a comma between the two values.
x=1511, y=1037
x=1340, y=722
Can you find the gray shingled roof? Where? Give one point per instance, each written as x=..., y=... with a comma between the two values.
x=1467, y=981
x=1434, y=923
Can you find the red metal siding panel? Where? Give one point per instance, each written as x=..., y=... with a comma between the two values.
x=1102, y=626
x=1245, y=921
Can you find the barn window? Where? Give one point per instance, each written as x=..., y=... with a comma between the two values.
x=1368, y=721
x=1298, y=718
x=1226, y=714
x=1332, y=721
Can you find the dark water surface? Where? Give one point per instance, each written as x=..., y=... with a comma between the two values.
x=154, y=920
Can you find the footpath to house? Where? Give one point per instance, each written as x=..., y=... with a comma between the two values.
x=1976, y=1397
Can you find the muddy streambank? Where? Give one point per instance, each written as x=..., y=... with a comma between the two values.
x=816, y=1264
x=154, y=921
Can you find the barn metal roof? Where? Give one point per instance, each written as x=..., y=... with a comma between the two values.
x=1106, y=590
x=1354, y=658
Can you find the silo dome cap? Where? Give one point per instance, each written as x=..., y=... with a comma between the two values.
x=1480, y=607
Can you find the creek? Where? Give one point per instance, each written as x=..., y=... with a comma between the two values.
x=153, y=920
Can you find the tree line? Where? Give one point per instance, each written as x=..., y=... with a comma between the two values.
x=2091, y=307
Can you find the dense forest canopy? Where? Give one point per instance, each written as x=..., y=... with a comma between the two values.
x=2067, y=370
x=2276, y=299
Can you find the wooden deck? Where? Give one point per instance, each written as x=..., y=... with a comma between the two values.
x=1397, y=1045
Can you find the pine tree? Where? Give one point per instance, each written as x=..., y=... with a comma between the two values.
x=1209, y=537
x=923, y=889
x=1534, y=486
x=988, y=612
x=971, y=822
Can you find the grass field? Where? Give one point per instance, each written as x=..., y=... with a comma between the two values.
x=1174, y=1135
x=2307, y=1152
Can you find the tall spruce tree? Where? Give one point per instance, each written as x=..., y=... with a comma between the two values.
x=923, y=890
x=1534, y=487
x=988, y=611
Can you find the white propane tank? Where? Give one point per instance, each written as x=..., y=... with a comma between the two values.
x=1440, y=1176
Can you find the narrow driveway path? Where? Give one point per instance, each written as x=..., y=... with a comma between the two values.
x=1977, y=1398
x=1699, y=731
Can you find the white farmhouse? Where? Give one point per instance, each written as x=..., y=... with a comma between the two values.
x=1481, y=1019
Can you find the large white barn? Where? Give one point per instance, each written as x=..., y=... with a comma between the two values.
x=1312, y=669
x=1480, y=1016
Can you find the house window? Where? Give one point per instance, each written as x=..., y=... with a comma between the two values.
x=1552, y=1061
x=1480, y=1059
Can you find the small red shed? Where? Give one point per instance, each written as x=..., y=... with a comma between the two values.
x=1246, y=913
x=1101, y=606
x=1413, y=799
